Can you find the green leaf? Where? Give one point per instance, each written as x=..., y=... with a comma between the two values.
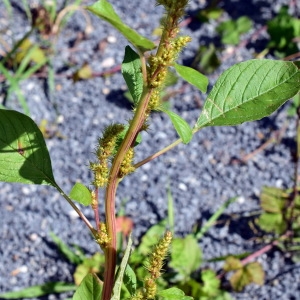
x=211, y=283
x=65, y=250
x=193, y=77
x=206, y=60
x=181, y=126
x=121, y=271
x=232, y=263
x=239, y=280
x=40, y=290
x=173, y=294
x=104, y=10
x=244, y=24
x=130, y=280
x=81, y=194
x=255, y=272
x=186, y=257
x=249, y=91
x=94, y=264
x=231, y=30
x=251, y=273
x=272, y=222
x=151, y=237
x=273, y=200
x=283, y=29
x=132, y=73
x=90, y=288
x=24, y=156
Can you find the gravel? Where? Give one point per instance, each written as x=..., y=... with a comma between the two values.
x=201, y=175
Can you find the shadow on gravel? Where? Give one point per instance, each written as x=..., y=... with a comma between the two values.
x=117, y=97
x=258, y=11
x=237, y=224
x=252, y=9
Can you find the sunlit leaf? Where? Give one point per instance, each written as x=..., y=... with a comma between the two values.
x=85, y=72
x=173, y=294
x=193, y=77
x=104, y=10
x=92, y=264
x=24, y=156
x=249, y=91
x=81, y=194
x=186, y=256
x=90, y=288
x=181, y=126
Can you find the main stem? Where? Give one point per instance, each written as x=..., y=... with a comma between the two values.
x=110, y=251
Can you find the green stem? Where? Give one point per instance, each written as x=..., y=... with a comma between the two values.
x=162, y=151
x=110, y=252
x=81, y=215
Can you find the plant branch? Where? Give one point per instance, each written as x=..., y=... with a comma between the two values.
x=162, y=151
x=110, y=251
x=79, y=212
x=155, y=155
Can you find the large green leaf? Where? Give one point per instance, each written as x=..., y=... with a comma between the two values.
x=249, y=91
x=24, y=156
x=104, y=10
x=132, y=73
x=90, y=288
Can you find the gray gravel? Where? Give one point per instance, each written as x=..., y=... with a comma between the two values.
x=201, y=175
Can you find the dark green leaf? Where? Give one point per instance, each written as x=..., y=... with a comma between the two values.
x=81, y=194
x=181, y=126
x=104, y=10
x=40, y=290
x=130, y=280
x=90, y=288
x=249, y=91
x=132, y=73
x=193, y=77
x=24, y=156
x=206, y=60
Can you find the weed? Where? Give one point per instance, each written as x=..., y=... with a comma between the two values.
x=247, y=91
